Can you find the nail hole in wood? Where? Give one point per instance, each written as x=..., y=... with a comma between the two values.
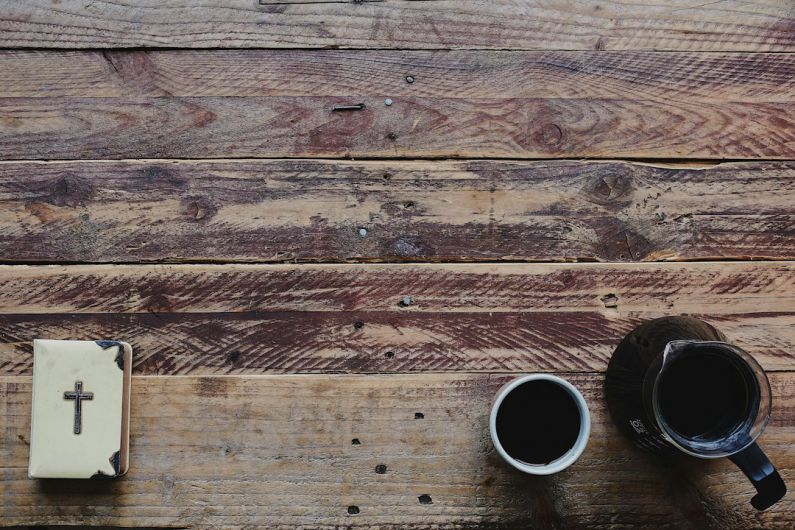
x=389, y=354
x=353, y=510
x=419, y=415
x=425, y=499
x=380, y=469
x=233, y=357
x=610, y=301
x=356, y=441
x=358, y=325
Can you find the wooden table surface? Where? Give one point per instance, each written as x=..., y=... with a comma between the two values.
x=323, y=303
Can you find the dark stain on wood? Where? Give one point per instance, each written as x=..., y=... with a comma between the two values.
x=134, y=70
x=212, y=387
x=691, y=502
x=574, y=210
x=619, y=242
x=156, y=176
x=70, y=190
x=408, y=247
x=198, y=208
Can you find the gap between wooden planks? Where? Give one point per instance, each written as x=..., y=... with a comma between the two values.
x=484, y=104
x=323, y=210
x=249, y=319
x=277, y=451
x=585, y=25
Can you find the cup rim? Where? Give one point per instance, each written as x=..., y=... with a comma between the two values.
x=567, y=458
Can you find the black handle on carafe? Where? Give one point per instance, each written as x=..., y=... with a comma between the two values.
x=757, y=467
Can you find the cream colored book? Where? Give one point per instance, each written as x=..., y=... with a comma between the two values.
x=81, y=409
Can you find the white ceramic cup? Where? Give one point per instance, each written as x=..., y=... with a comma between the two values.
x=570, y=456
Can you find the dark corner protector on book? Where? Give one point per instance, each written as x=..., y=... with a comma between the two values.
x=105, y=344
x=115, y=461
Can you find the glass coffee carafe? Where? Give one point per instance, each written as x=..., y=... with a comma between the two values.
x=674, y=385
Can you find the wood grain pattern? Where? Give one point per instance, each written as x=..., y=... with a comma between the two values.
x=268, y=127
x=374, y=342
x=712, y=287
x=648, y=24
x=277, y=452
x=668, y=77
x=257, y=319
x=270, y=103
x=308, y=210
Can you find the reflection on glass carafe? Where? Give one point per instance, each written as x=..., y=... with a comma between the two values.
x=675, y=385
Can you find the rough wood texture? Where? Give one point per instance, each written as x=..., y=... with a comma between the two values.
x=217, y=444
x=222, y=127
x=722, y=288
x=387, y=342
x=662, y=76
x=277, y=452
x=587, y=25
x=314, y=211
x=462, y=104
x=255, y=319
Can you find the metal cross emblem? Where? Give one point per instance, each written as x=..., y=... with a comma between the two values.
x=78, y=396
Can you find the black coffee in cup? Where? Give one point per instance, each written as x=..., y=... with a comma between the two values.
x=538, y=422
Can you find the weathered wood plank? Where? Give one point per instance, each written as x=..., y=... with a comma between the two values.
x=368, y=342
x=271, y=103
x=662, y=76
x=255, y=319
x=276, y=452
x=712, y=288
x=586, y=25
x=272, y=127
x=307, y=210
